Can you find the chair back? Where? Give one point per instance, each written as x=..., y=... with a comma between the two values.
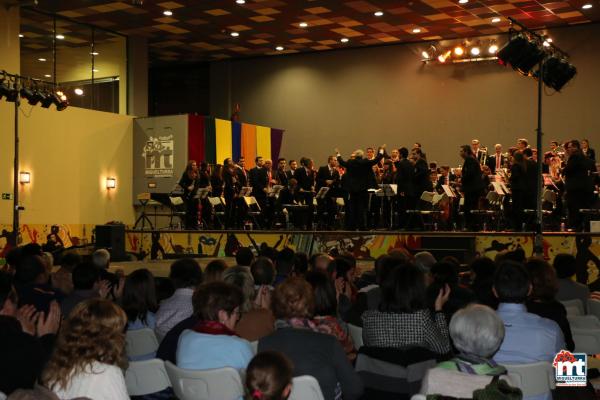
x=594, y=307
x=254, y=345
x=146, y=377
x=356, y=334
x=584, y=322
x=574, y=307
x=533, y=379
x=140, y=342
x=586, y=340
x=210, y=384
x=418, y=397
x=306, y=387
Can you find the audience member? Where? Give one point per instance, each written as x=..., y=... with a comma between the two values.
x=482, y=281
x=62, y=278
x=86, y=285
x=319, y=261
x=263, y=272
x=26, y=336
x=312, y=353
x=542, y=300
x=528, y=337
x=256, y=321
x=269, y=377
x=477, y=333
x=403, y=318
x=244, y=257
x=446, y=274
x=284, y=265
x=424, y=260
x=568, y=289
x=31, y=281
x=185, y=275
x=213, y=342
x=139, y=300
x=214, y=271
x=89, y=356
x=101, y=259
x=300, y=264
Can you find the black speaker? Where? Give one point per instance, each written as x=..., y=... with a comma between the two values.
x=112, y=238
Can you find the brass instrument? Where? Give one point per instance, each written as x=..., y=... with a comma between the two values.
x=484, y=152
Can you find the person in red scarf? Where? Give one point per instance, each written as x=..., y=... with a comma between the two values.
x=213, y=343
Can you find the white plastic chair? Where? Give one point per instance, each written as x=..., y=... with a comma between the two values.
x=586, y=340
x=306, y=387
x=254, y=345
x=533, y=379
x=356, y=333
x=221, y=383
x=594, y=307
x=574, y=307
x=418, y=397
x=584, y=322
x=2, y=396
x=145, y=377
x=141, y=342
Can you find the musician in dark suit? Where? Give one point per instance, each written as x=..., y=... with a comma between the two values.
x=292, y=171
x=242, y=173
x=471, y=184
x=532, y=179
x=587, y=151
x=306, y=186
x=328, y=176
x=404, y=178
x=259, y=180
x=579, y=183
x=421, y=179
x=359, y=173
x=189, y=182
x=281, y=175
x=496, y=160
x=477, y=152
x=446, y=178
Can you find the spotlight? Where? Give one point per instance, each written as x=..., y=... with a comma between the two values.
x=425, y=55
x=475, y=51
x=235, y=34
x=9, y=91
x=47, y=99
x=344, y=40
x=378, y=13
x=463, y=1
x=21, y=35
x=459, y=51
x=493, y=49
x=240, y=1
x=41, y=59
x=303, y=25
x=557, y=72
x=443, y=57
x=60, y=100
x=33, y=96
x=416, y=30
x=522, y=54
x=47, y=76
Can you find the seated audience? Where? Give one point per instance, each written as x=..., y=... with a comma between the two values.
x=269, y=377
x=255, y=321
x=139, y=300
x=26, y=341
x=31, y=281
x=300, y=264
x=86, y=285
x=214, y=271
x=312, y=353
x=101, y=259
x=213, y=343
x=244, y=257
x=542, y=300
x=477, y=333
x=482, y=281
x=284, y=265
x=319, y=261
x=568, y=289
x=424, y=260
x=403, y=318
x=263, y=272
x=89, y=356
x=528, y=338
x=446, y=274
x=185, y=275
x=61, y=279
x=325, y=313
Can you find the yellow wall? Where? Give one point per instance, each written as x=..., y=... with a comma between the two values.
x=69, y=154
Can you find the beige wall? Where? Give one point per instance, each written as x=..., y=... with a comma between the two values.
x=366, y=97
x=69, y=154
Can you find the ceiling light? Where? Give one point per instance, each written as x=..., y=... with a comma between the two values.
x=279, y=48
x=425, y=55
x=94, y=53
x=78, y=92
x=344, y=40
x=463, y=1
x=168, y=13
x=546, y=43
x=459, y=51
x=378, y=13
x=587, y=6
x=47, y=76
x=95, y=70
x=303, y=24
x=475, y=51
x=235, y=34
x=60, y=37
x=416, y=30
x=21, y=35
x=495, y=20
x=42, y=59
x=240, y=1
x=493, y=49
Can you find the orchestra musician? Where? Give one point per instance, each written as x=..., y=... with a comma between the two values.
x=446, y=178
x=358, y=175
x=190, y=183
x=496, y=160
x=281, y=175
x=259, y=180
x=328, y=176
x=231, y=189
x=242, y=173
x=585, y=149
x=404, y=179
x=306, y=186
x=421, y=181
x=471, y=185
x=477, y=151
x=216, y=181
x=522, y=144
x=579, y=183
x=293, y=167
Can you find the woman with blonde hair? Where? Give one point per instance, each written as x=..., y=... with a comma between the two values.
x=89, y=355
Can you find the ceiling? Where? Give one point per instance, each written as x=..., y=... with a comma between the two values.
x=199, y=30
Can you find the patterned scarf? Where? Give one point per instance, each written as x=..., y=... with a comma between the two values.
x=213, y=328
x=301, y=323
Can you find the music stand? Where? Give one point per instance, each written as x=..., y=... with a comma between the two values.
x=274, y=191
x=144, y=198
x=246, y=191
x=322, y=193
x=202, y=193
x=388, y=190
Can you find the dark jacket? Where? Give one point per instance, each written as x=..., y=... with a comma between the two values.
x=578, y=174
x=471, y=176
x=404, y=177
x=318, y=355
x=323, y=174
x=491, y=162
x=167, y=350
x=258, y=179
x=359, y=173
x=422, y=182
x=306, y=179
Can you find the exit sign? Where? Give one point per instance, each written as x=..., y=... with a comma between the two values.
x=6, y=196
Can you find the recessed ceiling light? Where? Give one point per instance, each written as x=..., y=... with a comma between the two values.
x=240, y=1
x=168, y=13
x=493, y=49
x=95, y=70
x=94, y=53
x=78, y=92
x=303, y=24
x=235, y=34
x=587, y=6
x=47, y=76
x=344, y=40
x=495, y=20
x=42, y=59
x=60, y=37
x=475, y=51
x=279, y=48
x=416, y=30
x=463, y=1
x=21, y=35
x=378, y=13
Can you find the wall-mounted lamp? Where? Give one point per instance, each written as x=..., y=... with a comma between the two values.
x=111, y=183
x=24, y=177
x=151, y=185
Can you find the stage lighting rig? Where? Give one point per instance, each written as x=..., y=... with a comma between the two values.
x=557, y=72
x=522, y=53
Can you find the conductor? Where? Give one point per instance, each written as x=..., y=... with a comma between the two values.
x=359, y=171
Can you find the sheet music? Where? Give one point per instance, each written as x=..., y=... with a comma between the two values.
x=448, y=190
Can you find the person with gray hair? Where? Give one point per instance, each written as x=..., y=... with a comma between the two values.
x=477, y=333
x=425, y=260
x=101, y=258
